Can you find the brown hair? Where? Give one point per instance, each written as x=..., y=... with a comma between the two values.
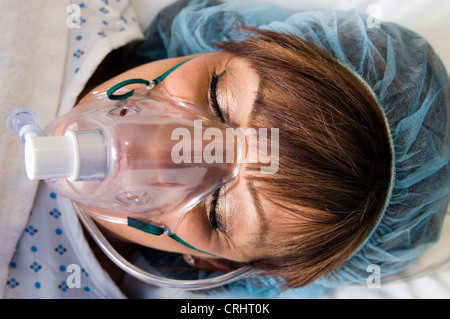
x=334, y=156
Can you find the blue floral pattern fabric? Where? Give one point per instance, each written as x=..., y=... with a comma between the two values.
x=48, y=264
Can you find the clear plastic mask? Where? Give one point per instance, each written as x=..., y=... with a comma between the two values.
x=160, y=156
x=143, y=158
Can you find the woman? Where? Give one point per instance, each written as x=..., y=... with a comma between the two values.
x=334, y=163
x=362, y=163
x=345, y=99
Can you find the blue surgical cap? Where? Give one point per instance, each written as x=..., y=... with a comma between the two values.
x=409, y=82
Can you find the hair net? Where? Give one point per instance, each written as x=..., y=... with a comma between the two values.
x=411, y=85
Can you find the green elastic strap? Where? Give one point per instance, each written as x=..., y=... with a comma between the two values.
x=145, y=227
x=114, y=97
x=158, y=231
x=110, y=93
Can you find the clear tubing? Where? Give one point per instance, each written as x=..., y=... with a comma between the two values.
x=153, y=279
x=24, y=123
x=145, y=116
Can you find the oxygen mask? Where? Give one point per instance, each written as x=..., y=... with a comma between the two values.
x=142, y=157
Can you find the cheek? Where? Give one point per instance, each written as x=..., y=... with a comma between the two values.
x=195, y=230
x=194, y=226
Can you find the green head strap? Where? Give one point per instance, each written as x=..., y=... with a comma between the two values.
x=149, y=84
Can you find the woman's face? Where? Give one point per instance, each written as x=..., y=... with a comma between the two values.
x=239, y=221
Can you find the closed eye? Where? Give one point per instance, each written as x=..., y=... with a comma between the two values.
x=214, y=217
x=213, y=96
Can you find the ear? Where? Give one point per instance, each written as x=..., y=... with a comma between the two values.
x=206, y=263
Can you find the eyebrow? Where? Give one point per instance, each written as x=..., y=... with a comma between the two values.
x=262, y=221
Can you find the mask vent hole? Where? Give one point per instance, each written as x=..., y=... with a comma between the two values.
x=124, y=111
x=132, y=198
